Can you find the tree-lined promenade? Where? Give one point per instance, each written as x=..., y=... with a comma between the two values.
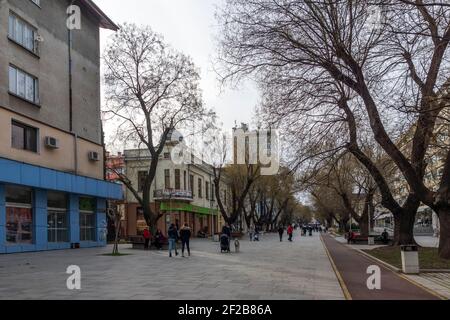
x=359, y=91
x=353, y=77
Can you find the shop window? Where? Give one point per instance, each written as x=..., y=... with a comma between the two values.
x=19, y=215
x=57, y=217
x=87, y=219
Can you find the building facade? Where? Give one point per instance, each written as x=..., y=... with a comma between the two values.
x=183, y=193
x=52, y=189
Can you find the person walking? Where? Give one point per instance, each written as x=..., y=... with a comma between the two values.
x=185, y=235
x=281, y=232
x=226, y=230
x=290, y=232
x=251, y=233
x=147, y=236
x=173, y=236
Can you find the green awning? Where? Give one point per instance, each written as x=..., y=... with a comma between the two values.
x=188, y=208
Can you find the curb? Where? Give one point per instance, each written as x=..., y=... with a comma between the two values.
x=344, y=288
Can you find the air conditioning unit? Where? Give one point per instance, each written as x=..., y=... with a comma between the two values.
x=51, y=143
x=94, y=156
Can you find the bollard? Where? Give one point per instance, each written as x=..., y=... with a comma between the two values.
x=410, y=259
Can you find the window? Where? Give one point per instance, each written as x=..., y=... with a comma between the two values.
x=167, y=178
x=200, y=188
x=23, y=85
x=191, y=184
x=57, y=217
x=24, y=137
x=87, y=219
x=142, y=176
x=19, y=215
x=184, y=180
x=207, y=190
x=167, y=156
x=177, y=179
x=213, y=191
x=22, y=32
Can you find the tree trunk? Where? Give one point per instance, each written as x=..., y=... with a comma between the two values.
x=117, y=223
x=444, y=234
x=404, y=228
x=364, y=226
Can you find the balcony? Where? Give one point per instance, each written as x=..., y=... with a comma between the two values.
x=172, y=194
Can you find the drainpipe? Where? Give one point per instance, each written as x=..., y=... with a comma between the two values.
x=75, y=152
x=70, y=43
x=75, y=136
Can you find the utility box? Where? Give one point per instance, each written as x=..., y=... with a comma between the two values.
x=410, y=259
x=371, y=241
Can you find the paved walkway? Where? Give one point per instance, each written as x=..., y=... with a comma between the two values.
x=352, y=267
x=262, y=270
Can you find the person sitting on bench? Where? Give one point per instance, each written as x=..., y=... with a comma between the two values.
x=385, y=237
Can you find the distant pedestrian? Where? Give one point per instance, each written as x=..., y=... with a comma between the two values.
x=159, y=239
x=281, y=232
x=290, y=232
x=385, y=237
x=226, y=230
x=251, y=232
x=147, y=236
x=185, y=235
x=173, y=236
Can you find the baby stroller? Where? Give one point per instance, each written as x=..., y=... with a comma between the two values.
x=224, y=243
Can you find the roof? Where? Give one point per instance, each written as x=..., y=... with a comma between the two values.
x=104, y=20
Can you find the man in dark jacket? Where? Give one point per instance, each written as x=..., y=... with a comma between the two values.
x=185, y=235
x=173, y=236
x=226, y=230
x=281, y=232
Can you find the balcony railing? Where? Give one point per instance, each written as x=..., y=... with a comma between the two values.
x=168, y=194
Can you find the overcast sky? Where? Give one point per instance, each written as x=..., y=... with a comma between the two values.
x=189, y=26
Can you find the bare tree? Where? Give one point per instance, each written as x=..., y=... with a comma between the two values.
x=151, y=89
x=376, y=71
x=115, y=216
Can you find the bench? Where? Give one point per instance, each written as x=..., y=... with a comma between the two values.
x=365, y=240
x=138, y=242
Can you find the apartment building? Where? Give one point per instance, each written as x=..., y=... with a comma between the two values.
x=183, y=193
x=52, y=189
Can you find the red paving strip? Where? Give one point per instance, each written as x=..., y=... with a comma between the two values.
x=352, y=267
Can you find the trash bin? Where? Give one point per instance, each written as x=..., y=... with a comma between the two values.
x=216, y=237
x=410, y=259
x=371, y=241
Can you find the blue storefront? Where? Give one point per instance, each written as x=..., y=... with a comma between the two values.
x=43, y=209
